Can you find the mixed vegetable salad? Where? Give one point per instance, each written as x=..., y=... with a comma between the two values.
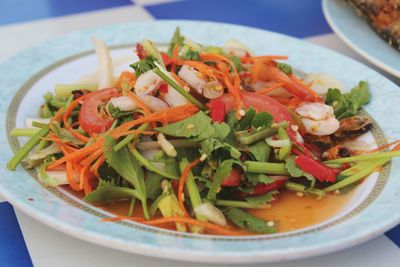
x=197, y=135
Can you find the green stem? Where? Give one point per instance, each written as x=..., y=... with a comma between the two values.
x=260, y=135
x=180, y=90
x=358, y=176
x=26, y=148
x=301, y=188
x=191, y=187
x=57, y=103
x=238, y=204
x=266, y=167
x=131, y=206
x=180, y=143
x=24, y=132
x=379, y=155
x=129, y=138
x=150, y=166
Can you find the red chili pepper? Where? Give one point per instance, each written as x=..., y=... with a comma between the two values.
x=89, y=117
x=321, y=172
x=141, y=53
x=217, y=108
x=163, y=88
x=233, y=179
x=166, y=59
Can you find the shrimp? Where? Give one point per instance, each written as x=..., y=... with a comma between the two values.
x=173, y=97
x=192, y=77
x=124, y=103
x=318, y=118
x=147, y=83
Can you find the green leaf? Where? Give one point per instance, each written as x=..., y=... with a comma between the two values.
x=247, y=221
x=222, y=130
x=237, y=63
x=259, y=178
x=231, y=119
x=143, y=65
x=295, y=171
x=260, y=151
x=153, y=185
x=106, y=191
x=212, y=145
x=223, y=170
x=286, y=68
x=191, y=55
x=152, y=51
x=123, y=162
x=347, y=105
x=189, y=127
x=177, y=39
x=64, y=135
x=247, y=119
x=261, y=119
x=284, y=151
x=263, y=200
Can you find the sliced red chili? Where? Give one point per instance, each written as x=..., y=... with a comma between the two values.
x=321, y=172
x=141, y=53
x=217, y=108
x=233, y=179
x=163, y=88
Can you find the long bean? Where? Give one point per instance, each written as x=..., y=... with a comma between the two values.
x=26, y=148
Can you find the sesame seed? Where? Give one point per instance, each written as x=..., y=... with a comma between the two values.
x=295, y=127
x=337, y=192
x=300, y=194
x=190, y=126
x=242, y=112
x=270, y=223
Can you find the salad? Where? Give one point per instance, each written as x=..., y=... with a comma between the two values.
x=195, y=137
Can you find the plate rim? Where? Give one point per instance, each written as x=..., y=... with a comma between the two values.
x=198, y=257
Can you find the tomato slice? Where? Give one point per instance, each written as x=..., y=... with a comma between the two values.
x=233, y=179
x=259, y=102
x=89, y=118
x=218, y=111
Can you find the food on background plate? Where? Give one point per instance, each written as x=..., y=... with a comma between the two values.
x=201, y=138
x=383, y=16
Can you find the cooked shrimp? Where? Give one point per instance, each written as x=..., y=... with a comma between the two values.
x=318, y=118
x=147, y=83
x=192, y=77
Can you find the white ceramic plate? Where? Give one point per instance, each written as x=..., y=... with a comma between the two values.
x=27, y=76
x=357, y=34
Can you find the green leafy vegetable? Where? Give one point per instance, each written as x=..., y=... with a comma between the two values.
x=263, y=200
x=284, y=151
x=247, y=119
x=247, y=221
x=153, y=184
x=237, y=63
x=286, y=68
x=177, y=39
x=261, y=119
x=259, y=178
x=260, y=151
x=224, y=169
x=211, y=145
x=347, y=105
x=295, y=171
x=106, y=191
x=126, y=165
x=143, y=65
x=191, y=55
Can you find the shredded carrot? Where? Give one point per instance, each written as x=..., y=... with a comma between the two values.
x=270, y=89
x=95, y=167
x=385, y=146
x=56, y=116
x=92, y=157
x=66, y=114
x=200, y=66
x=135, y=99
x=71, y=176
x=85, y=178
x=307, y=88
x=182, y=181
x=294, y=102
x=256, y=70
x=178, y=79
x=126, y=77
x=175, y=55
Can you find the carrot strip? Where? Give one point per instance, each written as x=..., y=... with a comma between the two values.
x=270, y=89
x=307, y=88
x=178, y=79
x=85, y=178
x=386, y=146
x=263, y=58
x=95, y=167
x=93, y=156
x=200, y=66
x=66, y=114
x=182, y=181
x=175, y=55
x=126, y=77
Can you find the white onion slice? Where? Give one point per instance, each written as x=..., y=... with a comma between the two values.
x=212, y=213
x=106, y=79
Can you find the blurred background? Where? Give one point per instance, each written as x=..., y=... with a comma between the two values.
x=24, y=23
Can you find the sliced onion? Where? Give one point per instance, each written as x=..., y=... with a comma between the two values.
x=153, y=103
x=124, y=103
x=277, y=143
x=166, y=146
x=106, y=79
x=56, y=178
x=213, y=90
x=212, y=213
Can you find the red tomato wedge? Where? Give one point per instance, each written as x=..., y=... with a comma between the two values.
x=259, y=102
x=89, y=118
